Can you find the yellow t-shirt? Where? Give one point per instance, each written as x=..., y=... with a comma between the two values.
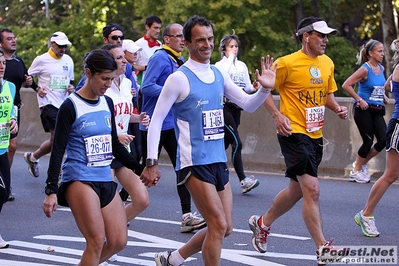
x=304, y=84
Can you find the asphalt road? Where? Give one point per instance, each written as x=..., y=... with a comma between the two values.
x=30, y=234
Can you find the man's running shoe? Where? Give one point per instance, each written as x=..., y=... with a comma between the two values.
x=327, y=253
x=3, y=243
x=191, y=222
x=367, y=224
x=33, y=167
x=259, y=237
x=249, y=183
x=162, y=258
x=359, y=177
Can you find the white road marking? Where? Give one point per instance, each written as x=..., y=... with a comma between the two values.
x=234, y=230
x=244, y=257
x=21, y=263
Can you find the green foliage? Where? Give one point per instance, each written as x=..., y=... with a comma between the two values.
x=263, y=26
x=343, y=53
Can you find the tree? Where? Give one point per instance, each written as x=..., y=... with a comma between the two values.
x=389, y=30
x=263, y=26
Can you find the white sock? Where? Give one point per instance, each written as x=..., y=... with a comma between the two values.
x=262, y=224
x=32, y=158
x=175, y=258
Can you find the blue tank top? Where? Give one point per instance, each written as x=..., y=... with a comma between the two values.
x=89, y=152
x=395, y=92
x=199, y=124
x=372, y=89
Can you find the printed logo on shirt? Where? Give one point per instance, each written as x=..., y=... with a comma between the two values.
x=315, y=72
x=65, y=68
x=87, y=124
x=201, y=102
x=108, y=121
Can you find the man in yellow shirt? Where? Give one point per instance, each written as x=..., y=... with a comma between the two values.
x=306, y=83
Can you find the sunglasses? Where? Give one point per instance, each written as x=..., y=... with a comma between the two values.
x=321, y=35
x=175, y=36
x=116, y=37
x=62, y=46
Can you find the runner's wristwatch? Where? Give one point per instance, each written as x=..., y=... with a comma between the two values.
x=48, y=191
x=151, y=162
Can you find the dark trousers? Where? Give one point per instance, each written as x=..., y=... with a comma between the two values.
x=232, y=118
x=169, y=143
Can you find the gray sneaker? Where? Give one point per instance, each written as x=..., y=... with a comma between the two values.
x=249, y=183
x=359, y=177
x=364, y=169
x=367, y=224
x=162, y=258
x=33, y=167
x=191, y=222
x=259, y=237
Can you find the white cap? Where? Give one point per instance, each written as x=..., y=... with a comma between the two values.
x=130, y=46
x=60, y=38
x=319, y=26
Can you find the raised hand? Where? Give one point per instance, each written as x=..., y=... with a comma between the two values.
x=268, y=76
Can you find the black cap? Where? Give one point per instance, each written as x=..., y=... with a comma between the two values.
x=110, y=28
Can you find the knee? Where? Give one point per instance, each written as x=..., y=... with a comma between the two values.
x=116, y=244
x=143, y=203
x=239, y=145
x=12, y=147
x=312, y=193
x=229, y=230
x=96, y=243
x=367, y=144
x=219, y=227
x=380, y=145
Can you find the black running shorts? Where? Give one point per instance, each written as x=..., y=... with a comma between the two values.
x=302, y=154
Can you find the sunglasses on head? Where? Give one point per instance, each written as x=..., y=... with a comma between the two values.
x=116, y=37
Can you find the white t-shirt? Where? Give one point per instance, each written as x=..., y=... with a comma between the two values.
x=53, y=75
x=146, y=52
x=123, y=105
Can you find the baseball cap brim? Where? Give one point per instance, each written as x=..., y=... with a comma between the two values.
x=130, y=46
x=63, y=42
x=319, y=26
